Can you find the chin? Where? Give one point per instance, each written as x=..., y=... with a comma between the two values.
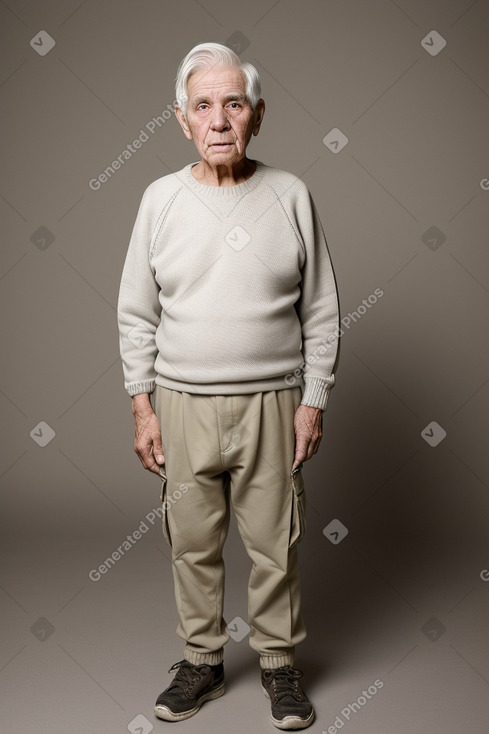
x=225, y=157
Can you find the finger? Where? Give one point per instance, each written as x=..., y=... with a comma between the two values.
x=146, y=457
x=149, y=463
x=300, y=454
x=297, y=461
x=155, y=468
x=158, y=451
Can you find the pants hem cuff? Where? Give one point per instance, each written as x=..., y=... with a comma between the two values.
x=201, y=658
x=276, y=660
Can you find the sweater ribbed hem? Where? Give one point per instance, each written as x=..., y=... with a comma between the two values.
x=201, y=658
x=226, y=192
x=228, y=388
x=316, y=392
x=277, y=660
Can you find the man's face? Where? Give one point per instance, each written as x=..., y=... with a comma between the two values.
x=219, y=118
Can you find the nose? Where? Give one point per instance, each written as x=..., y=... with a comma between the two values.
x=219, y=119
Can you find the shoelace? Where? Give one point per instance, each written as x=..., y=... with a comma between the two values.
x=187, y=674
x=285, y=682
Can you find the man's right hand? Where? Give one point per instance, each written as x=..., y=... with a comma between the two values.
x=147, y=440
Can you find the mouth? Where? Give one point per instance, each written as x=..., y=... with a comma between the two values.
x=221, y=145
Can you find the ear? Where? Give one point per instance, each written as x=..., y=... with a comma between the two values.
x=258, y=115
x=183, y=122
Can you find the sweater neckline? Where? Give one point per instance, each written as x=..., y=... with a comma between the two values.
x=224, y=191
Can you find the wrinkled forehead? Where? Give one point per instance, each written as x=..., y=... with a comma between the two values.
x=216, y=81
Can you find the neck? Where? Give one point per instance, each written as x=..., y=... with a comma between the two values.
x=224, y=174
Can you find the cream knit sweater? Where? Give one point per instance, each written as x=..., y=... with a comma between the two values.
x=229, y=289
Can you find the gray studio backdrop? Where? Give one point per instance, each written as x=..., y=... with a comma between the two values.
x=382, y=108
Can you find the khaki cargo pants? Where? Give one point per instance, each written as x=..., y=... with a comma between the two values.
x=237, y=450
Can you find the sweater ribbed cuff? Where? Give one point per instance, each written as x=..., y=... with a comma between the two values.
x=316, y=392
x=135, y=388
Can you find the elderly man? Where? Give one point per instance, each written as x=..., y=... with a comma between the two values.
x=228, y=320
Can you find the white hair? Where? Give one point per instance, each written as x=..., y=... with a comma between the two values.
x=206, y=55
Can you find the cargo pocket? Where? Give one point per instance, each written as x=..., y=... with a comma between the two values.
x=164, y=507
x=298, y=514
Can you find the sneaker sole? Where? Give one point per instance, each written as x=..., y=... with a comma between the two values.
x=163, y=712
x=290, y=722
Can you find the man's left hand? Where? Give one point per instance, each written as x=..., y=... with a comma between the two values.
x=308, y=426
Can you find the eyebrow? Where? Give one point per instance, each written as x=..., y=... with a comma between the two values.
x=231, y=96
